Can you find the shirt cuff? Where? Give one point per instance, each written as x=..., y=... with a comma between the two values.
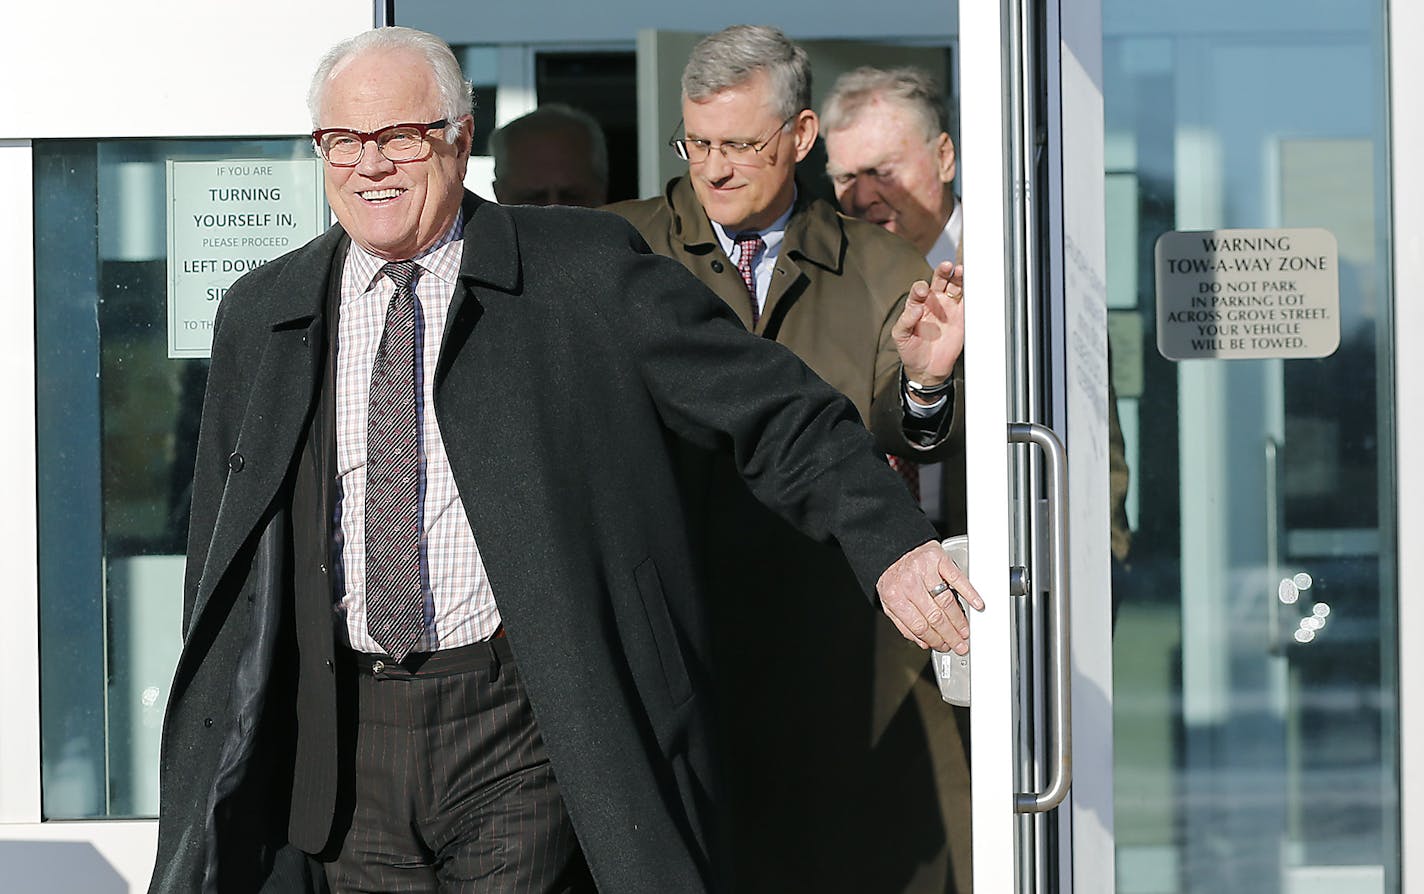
x=922, y=424
x=923, y=411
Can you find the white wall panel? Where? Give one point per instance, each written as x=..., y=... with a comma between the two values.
x=19, y=634
x=166, y=67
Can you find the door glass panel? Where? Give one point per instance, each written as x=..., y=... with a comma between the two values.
x=117, y=426
x=1255, y=737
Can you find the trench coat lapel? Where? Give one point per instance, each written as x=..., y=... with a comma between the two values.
x=283, y=390
x=814, y=235
x=488, y=390
x=703, y=254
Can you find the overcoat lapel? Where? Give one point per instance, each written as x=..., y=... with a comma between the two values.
x=283, y=390
x=482, y=381
x=490, y=260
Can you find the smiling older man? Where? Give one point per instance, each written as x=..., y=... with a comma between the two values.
x=444, y=627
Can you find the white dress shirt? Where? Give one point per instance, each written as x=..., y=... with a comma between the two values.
x=764, y=264
x=946, y=247
x=459, y=605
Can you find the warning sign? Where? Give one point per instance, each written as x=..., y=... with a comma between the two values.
x=224, y=219
x=1248, y=294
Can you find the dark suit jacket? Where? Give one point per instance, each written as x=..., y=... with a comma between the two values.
x=572, y=362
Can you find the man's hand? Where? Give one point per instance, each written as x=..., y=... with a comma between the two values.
x=930, y=331
x=930, y=620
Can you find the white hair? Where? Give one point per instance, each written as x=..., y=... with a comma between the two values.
x=455, y=92
x=911, y=88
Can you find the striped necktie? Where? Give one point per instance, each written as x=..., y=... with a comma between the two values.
x=395, y=606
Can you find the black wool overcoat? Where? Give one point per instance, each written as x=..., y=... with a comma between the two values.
x=574, y=366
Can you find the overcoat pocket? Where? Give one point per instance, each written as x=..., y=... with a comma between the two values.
x=650, y=591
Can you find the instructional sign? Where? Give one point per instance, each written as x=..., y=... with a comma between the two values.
x=224, y=219
x=1248, y=294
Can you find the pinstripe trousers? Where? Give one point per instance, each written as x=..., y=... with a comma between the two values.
x=453, y=791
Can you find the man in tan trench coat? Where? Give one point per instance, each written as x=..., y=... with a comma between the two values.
x=826, y=744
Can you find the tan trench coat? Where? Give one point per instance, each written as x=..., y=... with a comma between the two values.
x=833, y=741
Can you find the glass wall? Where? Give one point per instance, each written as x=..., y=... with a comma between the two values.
x=117, y=426
x=1256, y=683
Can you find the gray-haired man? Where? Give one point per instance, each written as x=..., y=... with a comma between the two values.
x=892, y=161
x=827, y=749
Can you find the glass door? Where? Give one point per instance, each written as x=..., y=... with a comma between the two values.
x=1252, y=714
x=1037, y=366
x=1256, y=674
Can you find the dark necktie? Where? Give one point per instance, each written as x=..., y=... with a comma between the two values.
x=395, y=608
x=749, y=245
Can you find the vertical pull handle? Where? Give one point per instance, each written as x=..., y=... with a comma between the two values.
x=1060, y=771
x=1275, y=641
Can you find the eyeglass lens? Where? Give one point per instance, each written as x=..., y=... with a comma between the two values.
x=697, y=151
x=396, y=144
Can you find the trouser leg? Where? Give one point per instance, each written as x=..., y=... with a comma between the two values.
x=453, y=788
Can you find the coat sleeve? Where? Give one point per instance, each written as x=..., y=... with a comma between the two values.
x=942, y=442
x=796, y=441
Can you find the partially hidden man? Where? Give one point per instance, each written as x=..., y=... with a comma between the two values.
x=444, y=629
x=830, y=769
x=892, y=162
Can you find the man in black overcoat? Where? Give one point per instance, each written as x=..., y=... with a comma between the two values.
x=442, y=617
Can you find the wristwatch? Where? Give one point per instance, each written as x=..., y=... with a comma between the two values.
x=930, y=393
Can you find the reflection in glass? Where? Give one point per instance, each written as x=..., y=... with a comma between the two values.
x=481, y=67
x=1255, y=742
x=117, y=427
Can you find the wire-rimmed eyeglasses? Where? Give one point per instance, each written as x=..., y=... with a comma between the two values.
x=398, y=143
x=736, y=152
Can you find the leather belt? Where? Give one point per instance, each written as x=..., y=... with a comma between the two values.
x=461, y=659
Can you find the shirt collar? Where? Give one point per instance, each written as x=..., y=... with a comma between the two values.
x=946, y=247
x=441, y=260
x=770, y=237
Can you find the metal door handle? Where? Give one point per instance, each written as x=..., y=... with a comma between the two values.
x=1060, y=771
x=1275, y=643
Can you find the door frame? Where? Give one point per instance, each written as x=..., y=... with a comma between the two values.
x=1406, y=70
x=990, y=189
x=988, y=259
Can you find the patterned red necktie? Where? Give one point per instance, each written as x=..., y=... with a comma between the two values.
x=910, y=471
x=749, y=245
